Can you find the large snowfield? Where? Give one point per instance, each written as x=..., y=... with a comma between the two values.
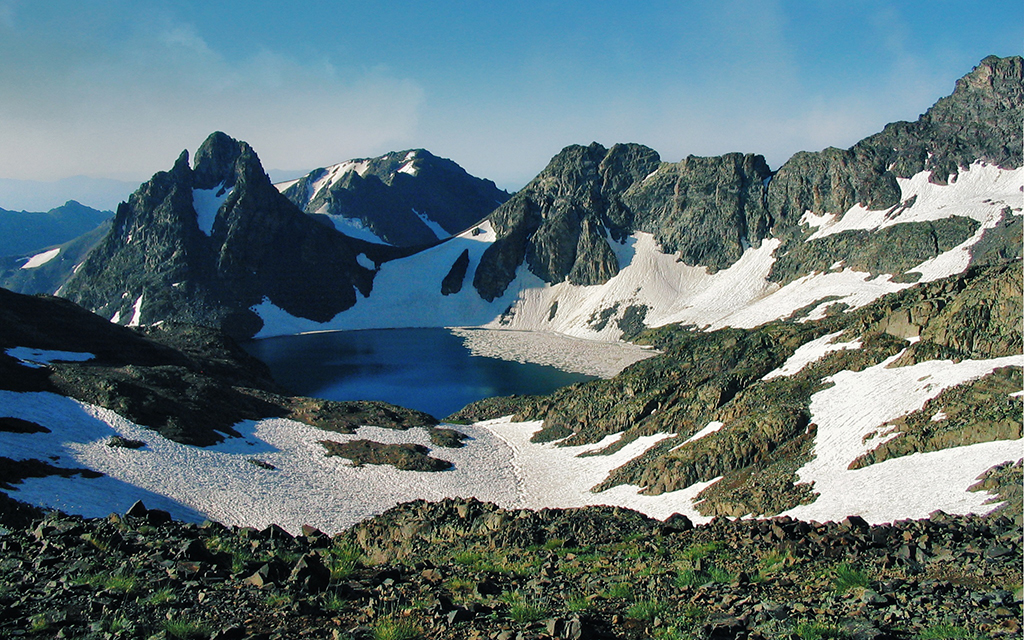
x=498, y=463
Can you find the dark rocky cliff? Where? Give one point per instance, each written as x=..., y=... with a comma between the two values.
x=259, y=246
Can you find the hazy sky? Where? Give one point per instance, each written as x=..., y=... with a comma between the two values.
x=116, y=89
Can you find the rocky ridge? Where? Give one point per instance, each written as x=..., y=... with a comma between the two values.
x=202, y=244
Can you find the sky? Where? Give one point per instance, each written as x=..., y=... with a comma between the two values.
x=116, y=89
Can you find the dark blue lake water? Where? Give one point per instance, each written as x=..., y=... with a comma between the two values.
x=425, y=369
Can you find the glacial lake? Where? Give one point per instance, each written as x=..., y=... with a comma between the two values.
x=426, y=369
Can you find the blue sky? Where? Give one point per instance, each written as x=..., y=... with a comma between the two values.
x=116, y=89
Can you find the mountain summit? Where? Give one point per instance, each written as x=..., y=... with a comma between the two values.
x=403, y=198
x=202, y=244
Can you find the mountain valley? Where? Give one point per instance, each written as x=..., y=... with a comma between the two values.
x=835, y=341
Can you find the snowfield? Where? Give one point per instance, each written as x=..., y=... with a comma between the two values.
x=407, y=292
x=498, y=463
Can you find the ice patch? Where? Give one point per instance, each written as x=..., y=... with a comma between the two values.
x=207, y=203
x=40, y=259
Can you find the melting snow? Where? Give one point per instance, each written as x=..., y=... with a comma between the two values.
x=40, y=259
x=712, y=427
x=435, y=228
x=365, y=262
x=335, y=173
x=980, y=193
x=354, y=228
x=602, y=359
x=136, y=312
x=912, y=486
x=811, y=352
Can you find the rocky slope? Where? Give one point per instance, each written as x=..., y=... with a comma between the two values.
x=465, y=569
x=403, y=198
x=189, y=384
x=765, y=423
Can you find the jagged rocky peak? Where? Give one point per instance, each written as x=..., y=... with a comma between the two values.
x=544, y=223
x=979, y=122
x=205, y=244
x=707, y=210
x=215, y=161
x=403, y=198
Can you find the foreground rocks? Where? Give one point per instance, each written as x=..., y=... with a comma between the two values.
x=465, y=569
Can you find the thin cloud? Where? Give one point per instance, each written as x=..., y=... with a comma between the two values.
x=130, y=106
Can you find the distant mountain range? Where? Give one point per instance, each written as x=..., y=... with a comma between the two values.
x=24, y=232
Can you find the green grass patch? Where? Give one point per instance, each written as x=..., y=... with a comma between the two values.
x=164, y=595
x=646, y=610
x=186, y=629
x=947, y=632
x=342, y=560
x=819, y=631
x=393, y=628
x=522, y=610
x=701, y=550
x=846, y=578
x=622, y=590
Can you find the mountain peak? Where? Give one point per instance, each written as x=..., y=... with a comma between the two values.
x=215, y=160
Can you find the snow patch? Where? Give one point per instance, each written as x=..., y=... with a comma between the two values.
x=136, y=312
x=207, y=202
x=435, y=228
x=811, y=352
x=40, y=259
x=857, y=405
x=601, y=359
x=712, y=427
x=980, y=193
x=39, y=357
x=365, y=262
x=553, y=476
x=409, y=168
x=354, y=228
